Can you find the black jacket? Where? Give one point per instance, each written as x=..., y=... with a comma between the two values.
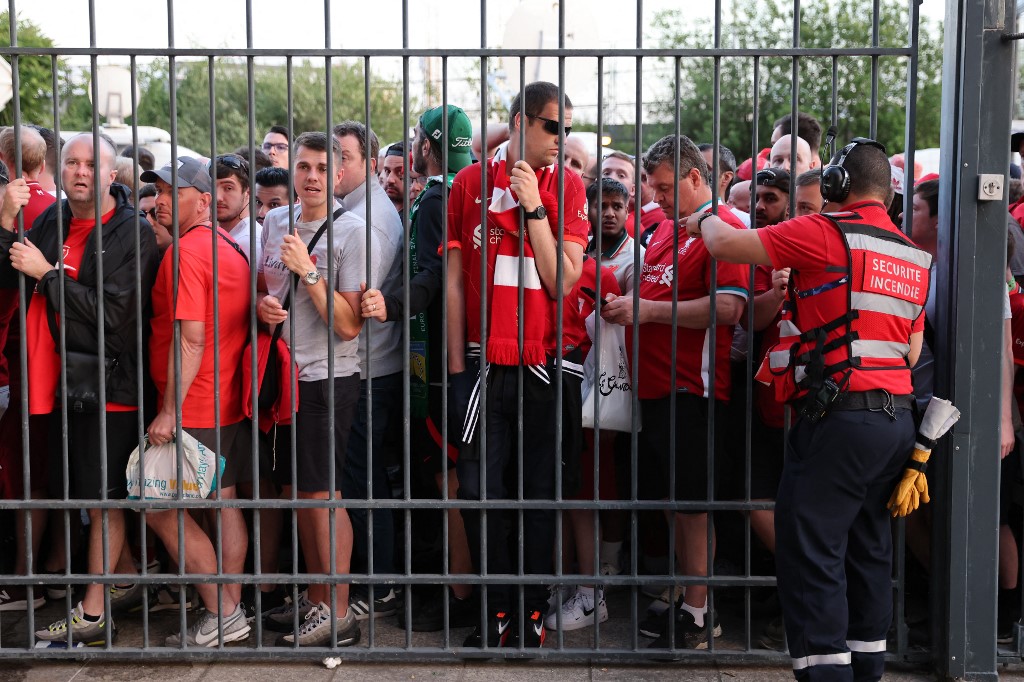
x=120, y=302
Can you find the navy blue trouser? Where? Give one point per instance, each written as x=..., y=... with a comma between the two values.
x=387, y=400
x=538, y=476
x=833, y=541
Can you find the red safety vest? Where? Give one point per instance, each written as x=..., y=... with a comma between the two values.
x=876, y=297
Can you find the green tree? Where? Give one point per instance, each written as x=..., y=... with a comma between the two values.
x=192, y=96
x=35, y=74
x=766, y=24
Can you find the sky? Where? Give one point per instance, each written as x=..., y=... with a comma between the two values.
x=590, y=24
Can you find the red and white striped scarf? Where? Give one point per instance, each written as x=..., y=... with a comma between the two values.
x=503, y=269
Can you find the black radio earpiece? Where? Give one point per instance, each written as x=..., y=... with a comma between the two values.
x=835, y=180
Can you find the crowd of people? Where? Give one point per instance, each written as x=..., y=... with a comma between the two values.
x=838, y=314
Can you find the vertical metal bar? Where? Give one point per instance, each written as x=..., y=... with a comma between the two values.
x=108, y=561
x=255, y=439
x=139, y=340
x=635, y=350
x=176, y=336
x=333, y=475
x=445, y=531
x=520, y=291
x=598, y=294
x=713, y=355
x=674, y=351
x=875, y=19
x=218, y=527
x=747, y=474
x=292, y=436
x=975, y=127
x=484, y=568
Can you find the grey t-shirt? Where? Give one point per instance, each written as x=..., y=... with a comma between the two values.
x=386, y=349
x=311, y=332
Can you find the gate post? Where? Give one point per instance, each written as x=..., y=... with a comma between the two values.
x=976, y=101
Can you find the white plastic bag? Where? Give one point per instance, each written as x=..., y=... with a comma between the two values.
x=613, y=382
x=200, y=468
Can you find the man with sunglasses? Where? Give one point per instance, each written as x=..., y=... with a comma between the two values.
x=521, y=192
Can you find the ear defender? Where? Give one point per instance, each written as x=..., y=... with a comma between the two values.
x=835, y=180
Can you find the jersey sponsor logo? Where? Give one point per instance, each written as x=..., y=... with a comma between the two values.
x=895, y=277
x=667, y=276
x=493, y=239
x=658, y=273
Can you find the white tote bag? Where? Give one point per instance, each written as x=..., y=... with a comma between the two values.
x=607, y=364
x=200, y=468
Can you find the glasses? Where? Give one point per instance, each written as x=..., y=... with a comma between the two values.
x=233, y=161
x=552, y=127
x=279, y=147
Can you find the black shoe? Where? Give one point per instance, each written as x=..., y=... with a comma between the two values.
x=359, y=602
x=654, y=624
x=534, y=633
x=427, y=614
x=498, y=627
x=688, y=635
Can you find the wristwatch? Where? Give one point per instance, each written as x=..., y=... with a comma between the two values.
x=538, y=213
x=703, y=218
x=311, y=278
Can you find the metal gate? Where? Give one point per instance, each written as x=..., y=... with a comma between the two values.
x=962, y=573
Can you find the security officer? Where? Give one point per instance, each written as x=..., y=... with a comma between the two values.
x=851, y=330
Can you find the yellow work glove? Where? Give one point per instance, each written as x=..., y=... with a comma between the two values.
x=912, y=490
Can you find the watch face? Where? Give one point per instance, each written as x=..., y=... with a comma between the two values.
x=311, y=278
x=541, y=212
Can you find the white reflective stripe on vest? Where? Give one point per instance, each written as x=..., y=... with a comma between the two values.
x=876, y=647
x=821, y=659
x=787, y=328
x=778, y=359
x=888, y=305
x=865, y=348
x=859, y=241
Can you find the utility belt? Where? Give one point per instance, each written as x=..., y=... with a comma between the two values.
x=831, y=397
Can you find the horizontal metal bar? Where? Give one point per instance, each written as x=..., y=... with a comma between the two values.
x=381, y=503
x=866, y=51
x=434, y=654
x=386, y=579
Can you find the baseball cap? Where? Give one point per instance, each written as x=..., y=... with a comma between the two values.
x=460, y=134
x=191, y=173
x=773, y=177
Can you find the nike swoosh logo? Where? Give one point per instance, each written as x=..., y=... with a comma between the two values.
x=477, y=200
x=502, y=626
x=588, y=612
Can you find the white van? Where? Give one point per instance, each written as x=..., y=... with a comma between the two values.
x=156, y=140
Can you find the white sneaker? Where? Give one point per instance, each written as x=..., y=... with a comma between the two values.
x=579, y=612
x=205, y=632
x=559, y=594
x=316, y=629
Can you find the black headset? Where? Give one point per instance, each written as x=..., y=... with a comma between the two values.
x=835, y=180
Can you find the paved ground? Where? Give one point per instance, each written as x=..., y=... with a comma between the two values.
x=617, y=633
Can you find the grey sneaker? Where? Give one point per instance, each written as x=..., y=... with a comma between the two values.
x=82, y=631
x=281, y=618
x=316, y=629
x=204, y=631
x=125, y=598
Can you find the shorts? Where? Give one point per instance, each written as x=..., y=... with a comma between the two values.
x=691, y=448
x=235, y=446
x=85, y=458
x=12, y=459
x=313, y=460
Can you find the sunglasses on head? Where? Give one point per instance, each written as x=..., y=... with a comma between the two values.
x=769, y=178
x=552, y=127
x=233, y=161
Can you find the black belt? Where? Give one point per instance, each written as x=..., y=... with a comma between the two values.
x=876, y=400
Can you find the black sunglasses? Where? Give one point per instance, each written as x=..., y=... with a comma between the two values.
x=233, y=161
x=552, y=127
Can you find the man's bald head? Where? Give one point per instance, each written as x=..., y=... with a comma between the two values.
x=108, y=154
x=781, y=151
x=33, y=150
x=577, y=158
